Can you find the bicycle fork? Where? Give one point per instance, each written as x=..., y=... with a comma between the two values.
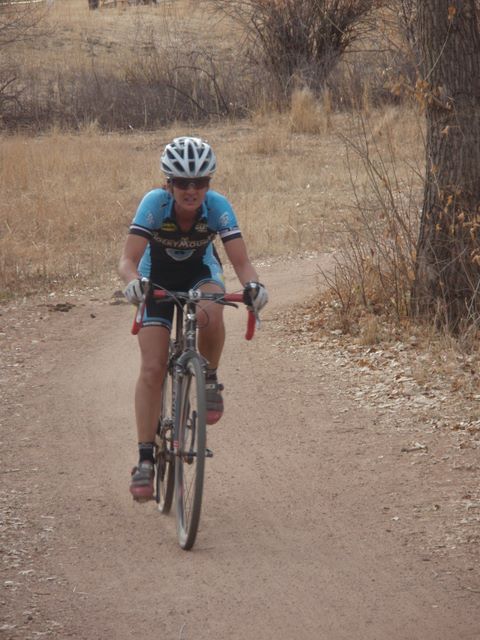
x=180, y=421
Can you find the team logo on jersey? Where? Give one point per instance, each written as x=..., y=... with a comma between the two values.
x=201, y=227
x=168, y=226
x=178, y=255
x=180, y=243
x=224, y=219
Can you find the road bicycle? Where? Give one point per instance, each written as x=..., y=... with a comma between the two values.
x=181, y=438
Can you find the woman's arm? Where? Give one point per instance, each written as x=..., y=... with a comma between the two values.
x=236, y=251
x=132, y=252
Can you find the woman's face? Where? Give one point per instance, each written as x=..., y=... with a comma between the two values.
x=189, y=193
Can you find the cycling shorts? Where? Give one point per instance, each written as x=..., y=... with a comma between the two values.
x=180, y=278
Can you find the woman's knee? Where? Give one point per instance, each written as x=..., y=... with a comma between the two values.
x=211, y=319
x=154, y=354
x=152, y=373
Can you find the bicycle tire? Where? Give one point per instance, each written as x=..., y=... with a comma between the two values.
x=190, y=430
x=164, y=454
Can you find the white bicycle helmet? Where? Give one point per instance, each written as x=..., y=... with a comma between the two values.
x=187, y=157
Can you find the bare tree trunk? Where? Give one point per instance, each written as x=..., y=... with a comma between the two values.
x=447, y=278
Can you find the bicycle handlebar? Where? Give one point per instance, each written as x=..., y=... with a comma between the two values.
x=184, y=296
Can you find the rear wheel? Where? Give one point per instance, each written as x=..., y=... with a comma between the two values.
x=164, y=456
x=190, y=460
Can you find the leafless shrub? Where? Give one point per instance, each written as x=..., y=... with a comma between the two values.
x=192, y=84
x=297, y=41
x=9, y=90
x=18, y=24
x=72, y=100
x=375, y=265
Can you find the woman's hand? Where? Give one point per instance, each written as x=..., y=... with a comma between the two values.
x=134, y=291
x=255, y=295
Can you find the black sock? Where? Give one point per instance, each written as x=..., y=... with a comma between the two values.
x=211, y=374
x=145, y=451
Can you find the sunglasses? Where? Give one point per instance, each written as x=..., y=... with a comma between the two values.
x=187, y=183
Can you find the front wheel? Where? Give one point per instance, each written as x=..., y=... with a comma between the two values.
x=190, y=415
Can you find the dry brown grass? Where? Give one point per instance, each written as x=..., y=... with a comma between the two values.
x=65, y=198
x=68, y=198
x=307, y=114
x=107, y=31
x=77, y=37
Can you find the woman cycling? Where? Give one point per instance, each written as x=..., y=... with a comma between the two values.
x=170, y=242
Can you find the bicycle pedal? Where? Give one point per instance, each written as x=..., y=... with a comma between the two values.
x=208, y=453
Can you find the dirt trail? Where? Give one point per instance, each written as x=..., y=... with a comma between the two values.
x=294, y=540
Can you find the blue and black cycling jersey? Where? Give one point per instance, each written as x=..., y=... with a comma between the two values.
x=176, y=259
x=168, y=244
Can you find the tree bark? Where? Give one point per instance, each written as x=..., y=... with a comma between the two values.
x=447, y=279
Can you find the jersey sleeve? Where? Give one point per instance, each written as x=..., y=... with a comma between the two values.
x=222, y=218
x=150, y=213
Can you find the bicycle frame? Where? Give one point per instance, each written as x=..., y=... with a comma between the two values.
x=186, y=325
